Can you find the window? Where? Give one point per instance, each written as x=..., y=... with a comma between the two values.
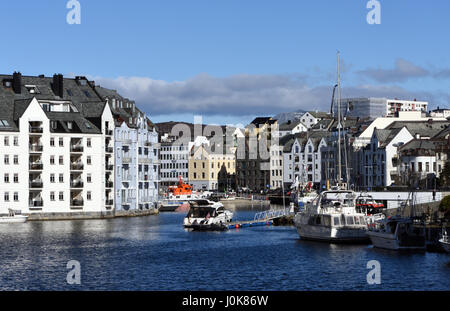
x=16, y=141
x=52, y=196
x=32, y=89
x=6, y=140
x=61, y=196
x=52, y=160
x=89, y=142
x=61, y=160
x=52, y=178
x=69, y=125
x=16, y=159
x=61, y=178
x=69, y=92
x=6, y=159
x=16, y=196
x=53, y=125
x=6, y=178
x=89, y=178
x=89, y=196
x=16, y=178
x=4, y=123
x=6, y=197
x=89, y=160
x=52, y=142
x=61, y=142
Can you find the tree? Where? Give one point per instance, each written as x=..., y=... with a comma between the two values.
x=444, y=206
x=445, y=175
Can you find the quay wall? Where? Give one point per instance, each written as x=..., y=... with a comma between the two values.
x=90, y=215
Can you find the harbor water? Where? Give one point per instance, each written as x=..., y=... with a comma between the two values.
x=156, y=253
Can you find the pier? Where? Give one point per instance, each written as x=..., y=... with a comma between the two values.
x=266, y=218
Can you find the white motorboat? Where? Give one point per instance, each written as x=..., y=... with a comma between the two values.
x=332, y=217
x=207, y=215
x=13, y=217
x=445, y=241
x=397, y=233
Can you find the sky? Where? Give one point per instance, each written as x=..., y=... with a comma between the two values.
x=230, y=60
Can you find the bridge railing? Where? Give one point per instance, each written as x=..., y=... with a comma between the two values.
x=273, y=213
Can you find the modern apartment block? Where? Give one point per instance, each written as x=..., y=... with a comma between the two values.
x=136, y=153
x=174, y=164
x=55, y=140
x=379, y=107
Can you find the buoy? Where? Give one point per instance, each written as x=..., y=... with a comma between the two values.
x=237, y=226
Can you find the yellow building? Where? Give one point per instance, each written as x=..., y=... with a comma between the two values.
x=204, y=167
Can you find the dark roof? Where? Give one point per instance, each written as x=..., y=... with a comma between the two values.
x=78, y=91
x=428, y=128
x=320, y=114
x=385, y=136
x=419, y=147
x=289, y=126
x=263, y=120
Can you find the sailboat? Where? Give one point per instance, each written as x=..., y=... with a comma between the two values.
x=332, y=217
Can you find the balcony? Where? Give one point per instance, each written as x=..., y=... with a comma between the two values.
x=76, y=184
x=126, y=141
x=109, y=167
x=36, y=204
x=109, y=132
x=36, y=148
x=109, y=149
x=126, y=201
x=36, y=130
x=109, y=184
x=36, y=166
x=36, y=184
x=77, y=203
x=76, y=148
x=126, y=178
x=78, y=166
x=109, y=202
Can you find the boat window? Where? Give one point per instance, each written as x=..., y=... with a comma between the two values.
x=327, y=220
x=349, y=220
x=177, y=197
x=336, y=221
x=318, y=220
x=362, y=220
x=356, y=220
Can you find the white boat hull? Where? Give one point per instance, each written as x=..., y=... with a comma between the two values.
x=15, y=219
x=338, y=235
x=389, y=241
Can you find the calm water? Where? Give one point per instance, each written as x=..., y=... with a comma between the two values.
x=156, y=253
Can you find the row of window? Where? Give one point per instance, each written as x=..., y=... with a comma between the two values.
x=6, y=141
x=52, y=160
x=15, y=196
x=6, y=178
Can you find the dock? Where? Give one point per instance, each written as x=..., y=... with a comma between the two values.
x=266, y=218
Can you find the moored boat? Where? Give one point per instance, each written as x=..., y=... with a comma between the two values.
x=398, y=233
x=207, y=215
x=332, y=218
x=13, y=217
x=445, y=241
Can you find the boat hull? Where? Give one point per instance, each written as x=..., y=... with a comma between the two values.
x=445, y=245
x=389, y=241
x=11, y=220
x=333, y=235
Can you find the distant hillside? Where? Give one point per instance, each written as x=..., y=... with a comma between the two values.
x=289, y=116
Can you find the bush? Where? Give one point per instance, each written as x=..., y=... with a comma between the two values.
x=444, y=206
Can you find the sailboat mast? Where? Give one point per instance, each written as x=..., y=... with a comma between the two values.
x=339, y=118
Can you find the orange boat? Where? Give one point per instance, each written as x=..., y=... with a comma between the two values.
x=180, y=189
x=178, y=197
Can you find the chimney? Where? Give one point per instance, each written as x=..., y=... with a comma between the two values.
x=17, y=82
x=58, y=85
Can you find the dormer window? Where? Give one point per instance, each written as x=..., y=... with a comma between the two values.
x=32, y=89
x=53, y=125
x=69, y=125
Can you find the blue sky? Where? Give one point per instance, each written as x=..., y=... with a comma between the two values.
x=232, y=60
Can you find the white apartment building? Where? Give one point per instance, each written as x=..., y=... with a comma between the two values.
x=53, y=158
x=276, y=166
x=380, y=107
x=311, y=118
x=174, y=164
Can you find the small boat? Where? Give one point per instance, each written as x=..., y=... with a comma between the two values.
x=13, y=217
x=445, y=241
x=370, y=208
x=332, y=218
x=397, y=233
x=206, y=215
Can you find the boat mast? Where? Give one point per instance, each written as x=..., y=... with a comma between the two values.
x=339, y=118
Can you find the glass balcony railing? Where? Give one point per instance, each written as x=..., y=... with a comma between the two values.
x=36, y=148
x=77, y=203
x=36, y=203
x=36, y=166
